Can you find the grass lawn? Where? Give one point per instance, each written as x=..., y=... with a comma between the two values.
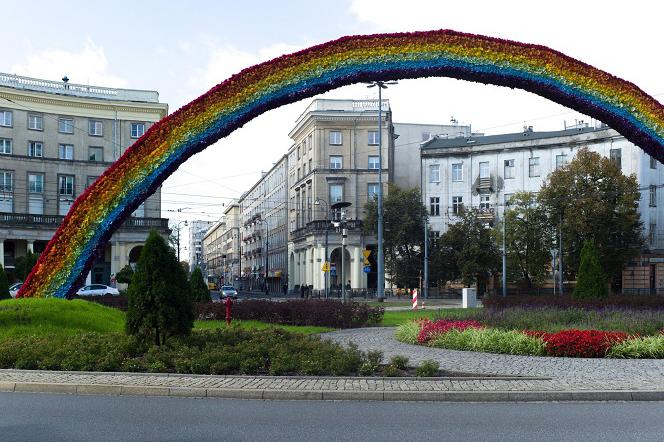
x=396, y=318
x=57, y=317
x=257, y=325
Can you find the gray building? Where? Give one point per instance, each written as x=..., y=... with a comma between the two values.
x=56, y=138
x=197, y=230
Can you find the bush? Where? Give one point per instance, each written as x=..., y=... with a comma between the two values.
x=427, y=369
x=590, y=280
x=159, y=295
x=400, y=362
x=581, y=343
x=391, y=371
x=646, y=347
x=408, y=332
x=199, y=289
x=567, y=301
x=325, y=313
x=4, y=284
x=125, y=274
x=491, y=341
x=430, y=329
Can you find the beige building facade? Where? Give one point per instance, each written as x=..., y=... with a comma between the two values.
x=56, y=138
x=334, y=158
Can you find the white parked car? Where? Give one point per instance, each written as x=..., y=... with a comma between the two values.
x=13, y=289
x=228, y=290
x=97, y=290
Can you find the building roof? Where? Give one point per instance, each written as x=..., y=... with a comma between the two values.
x=438, y=142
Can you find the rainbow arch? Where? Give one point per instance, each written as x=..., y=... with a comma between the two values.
x=147, y=163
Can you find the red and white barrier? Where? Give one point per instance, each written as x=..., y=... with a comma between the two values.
x=415, y=299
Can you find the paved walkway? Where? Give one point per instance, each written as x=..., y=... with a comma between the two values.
x=514, y=378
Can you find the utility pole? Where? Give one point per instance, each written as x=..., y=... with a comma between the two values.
x=560, y=255
x=504, y=251
x=380, y=286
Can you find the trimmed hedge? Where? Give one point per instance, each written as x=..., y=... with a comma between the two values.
x=330, y=313
x=524, y=301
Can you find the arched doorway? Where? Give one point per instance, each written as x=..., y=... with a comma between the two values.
x=134, y=255
x=336, y=273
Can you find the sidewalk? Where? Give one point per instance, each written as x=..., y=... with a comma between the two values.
x=512, y=378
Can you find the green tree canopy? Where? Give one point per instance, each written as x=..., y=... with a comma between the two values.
x=159, y=295
x=125, y=274
x=597, y=203
x=470, y=245
x=404, y=217
x=590, y=280
x=199, y=289
x=24, y=265
x=529, y=237
x=4, y=284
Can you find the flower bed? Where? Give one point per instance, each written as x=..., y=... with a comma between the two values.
x=474, y=336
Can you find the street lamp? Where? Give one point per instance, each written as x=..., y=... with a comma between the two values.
x=178, y=240
x=327, y=231
x=344, y=233
x=380, y=258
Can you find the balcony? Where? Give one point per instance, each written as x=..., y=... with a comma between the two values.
x=53, y=221
x=484, y=185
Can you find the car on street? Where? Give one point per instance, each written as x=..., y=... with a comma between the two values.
x=228, y=290
x=97, y=290
x=13, y=290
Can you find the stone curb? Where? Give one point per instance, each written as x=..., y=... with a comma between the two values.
x=336, y=395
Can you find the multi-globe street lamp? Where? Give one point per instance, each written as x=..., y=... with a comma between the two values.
x=380, y=286
x=317, y=202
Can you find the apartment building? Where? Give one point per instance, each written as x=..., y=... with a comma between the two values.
x=56, y=138
x=197, y=230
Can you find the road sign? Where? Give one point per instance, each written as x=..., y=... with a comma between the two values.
x=325, y=267
x=366, y=254
x=367, y=269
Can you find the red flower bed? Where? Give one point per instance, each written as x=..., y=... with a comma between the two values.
x=431, y=329
x=579, y=343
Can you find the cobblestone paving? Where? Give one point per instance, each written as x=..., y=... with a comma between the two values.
x=575, y=373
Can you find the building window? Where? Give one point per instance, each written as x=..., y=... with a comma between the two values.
x=66, y=193
x=96, y=153
x=653, y=163
x=35, y=122
x=374, y=162
x=616, y=156
x=457, y=204
x=5, y=118
x=35, y=183
x=335, y=138
x=508, y=197
x=91, y=179
x=484, y=169
x=434, y=206
x=372, y=191
x=336, y=162
x=434, y=173
x=137, y=130
x=561, y=161
x=66, y=151
x=35, y=149
x=311, y=164
x=5, y=146
x=373, y=138
x=6, y=187
x=457, y=172
x=485, y=202
x=509, y=169
x=66, y=125
x=533, y=167
x=652, y=234
x=310, y=141
x=298, y=152
x=653, y=196
x=336, y=193
x=299, y=173
x=96, y=128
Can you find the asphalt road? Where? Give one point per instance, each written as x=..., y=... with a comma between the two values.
x=42, y=417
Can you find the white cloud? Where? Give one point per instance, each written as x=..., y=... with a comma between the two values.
x=87, y=66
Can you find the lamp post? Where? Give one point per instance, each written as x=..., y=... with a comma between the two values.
x=267, y=247
x=327, y=231
x=178, y=239
x=344, y=233
x=380, y=286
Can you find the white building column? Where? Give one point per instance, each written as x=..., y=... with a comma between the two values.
x=31, y=247
x=356, y=274
x=2, y=253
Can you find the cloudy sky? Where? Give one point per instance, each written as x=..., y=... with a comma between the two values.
x=184, y=49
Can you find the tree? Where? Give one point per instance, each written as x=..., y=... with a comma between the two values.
x=595, y=202
x=4, y=284
x=125, y=274
x=404, y=217
x=590, y=280
x=159, y=295
x=199, y=289
x=24, y=265
x=470, y=245
x=529, y=238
